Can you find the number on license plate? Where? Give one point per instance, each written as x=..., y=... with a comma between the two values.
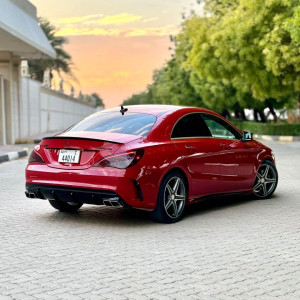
x=69, y=156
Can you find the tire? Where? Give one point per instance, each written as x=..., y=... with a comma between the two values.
x=171, y=199
x=265, y=181
x=65, y=206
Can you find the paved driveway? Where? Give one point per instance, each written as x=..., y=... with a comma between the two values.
x=228, y=249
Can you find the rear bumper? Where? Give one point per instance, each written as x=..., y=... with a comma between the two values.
x=73, y=194
x=91, y=186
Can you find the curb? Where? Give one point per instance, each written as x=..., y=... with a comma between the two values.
x=13, y=155
x=278, y=138
x=28, y=141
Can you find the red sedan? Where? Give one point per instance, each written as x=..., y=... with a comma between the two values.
x=152, y=157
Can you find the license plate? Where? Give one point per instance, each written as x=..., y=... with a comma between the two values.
x=69, y=156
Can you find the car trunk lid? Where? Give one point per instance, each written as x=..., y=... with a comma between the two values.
x=90, y=147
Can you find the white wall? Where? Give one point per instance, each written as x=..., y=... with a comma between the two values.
x=44, y=110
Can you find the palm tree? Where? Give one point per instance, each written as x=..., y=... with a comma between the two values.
x=61, y=64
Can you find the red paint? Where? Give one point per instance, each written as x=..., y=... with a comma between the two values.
x=211, y=165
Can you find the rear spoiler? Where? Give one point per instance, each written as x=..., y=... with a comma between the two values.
x=78, y=138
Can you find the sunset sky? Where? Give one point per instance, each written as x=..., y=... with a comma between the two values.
x=115, y=44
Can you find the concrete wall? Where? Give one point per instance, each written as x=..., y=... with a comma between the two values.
x=44, y=110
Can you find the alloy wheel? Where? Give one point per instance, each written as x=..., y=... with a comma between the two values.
x=174, y=197
x=265, y=181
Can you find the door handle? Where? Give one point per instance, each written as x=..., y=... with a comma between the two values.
x=191, y=148
x=224, y=146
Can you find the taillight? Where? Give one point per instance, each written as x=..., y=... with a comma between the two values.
x=122, y=160
x=35, y=158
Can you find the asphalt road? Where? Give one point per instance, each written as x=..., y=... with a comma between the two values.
x=235, y=248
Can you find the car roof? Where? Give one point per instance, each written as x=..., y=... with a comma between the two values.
x=153, y=109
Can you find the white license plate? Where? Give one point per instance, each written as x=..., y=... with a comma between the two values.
x=69, y=156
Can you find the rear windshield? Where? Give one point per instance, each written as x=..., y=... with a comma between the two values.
x=130, y=123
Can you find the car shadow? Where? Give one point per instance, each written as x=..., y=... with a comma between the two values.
x=101, y=215
x=217, y=203
x=221, y=202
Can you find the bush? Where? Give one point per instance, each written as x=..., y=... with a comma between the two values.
x=269, y=129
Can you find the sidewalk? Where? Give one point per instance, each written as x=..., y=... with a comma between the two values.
x=277, y=138
x=22, y=148
x=11, y=152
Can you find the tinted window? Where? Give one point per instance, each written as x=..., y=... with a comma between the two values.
x=219, y=128
x=190, y=126
x=129, y=123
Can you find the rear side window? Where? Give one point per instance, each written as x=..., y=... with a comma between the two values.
x=130, y=123
x=190, y=126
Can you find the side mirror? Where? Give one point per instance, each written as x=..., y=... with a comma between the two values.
x=247, y=136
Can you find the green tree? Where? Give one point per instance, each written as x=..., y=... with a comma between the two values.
x=218, y=8
x=250, y=48
x=293, y=25
x=140, y=98
x=62, y=64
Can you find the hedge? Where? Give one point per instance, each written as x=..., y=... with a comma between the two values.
x=269, y=129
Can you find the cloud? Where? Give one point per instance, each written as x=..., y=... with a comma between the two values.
x=116, y=19
x=159, y=31
x=81, y=19
x=98, y=19
x=73, y=31
x=134, y=32
x=101, y=25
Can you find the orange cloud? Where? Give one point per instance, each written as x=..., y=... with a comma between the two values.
x=99, y=25
x=116, y=19
x=72, y=31
x=159, y=31
x=98, y=19
x=73, y=20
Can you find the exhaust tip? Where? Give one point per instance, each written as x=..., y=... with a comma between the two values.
x=30, y=195
x=113, y=202
x=106, y=202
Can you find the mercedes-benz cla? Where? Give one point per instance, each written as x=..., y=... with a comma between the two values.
x=153, y=157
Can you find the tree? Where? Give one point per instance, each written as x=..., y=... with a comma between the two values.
x=218, y=8
x=293, y=25
x=93, y=99
x=140, y=98
x=97, y=99
x=62, y=64
x=249, y=48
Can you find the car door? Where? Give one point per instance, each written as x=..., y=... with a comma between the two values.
x=198, y=154
x=236, y=157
